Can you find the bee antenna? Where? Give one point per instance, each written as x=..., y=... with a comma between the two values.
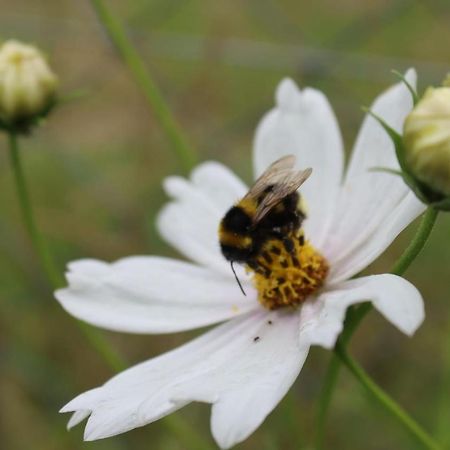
x=237, y=279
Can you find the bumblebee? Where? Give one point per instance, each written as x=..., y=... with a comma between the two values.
x=268, y=212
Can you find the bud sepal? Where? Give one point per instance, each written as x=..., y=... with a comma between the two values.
x=426, y=192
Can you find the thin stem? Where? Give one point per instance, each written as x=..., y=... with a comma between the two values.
x=132, y=59
x=356, y=314
x=418, y=242
x=27, y=212
x=442, y=413
x=399, y=268
x=109, y=355
x=191, y=439
x=328, y=385
x=386, y=401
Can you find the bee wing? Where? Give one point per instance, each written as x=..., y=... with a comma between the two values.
x=289, y=182
x=272, y=175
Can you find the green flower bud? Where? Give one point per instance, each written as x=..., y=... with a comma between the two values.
x=27, y=85
x=426, y=138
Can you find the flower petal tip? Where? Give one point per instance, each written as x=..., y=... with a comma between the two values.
x=414, y=324
x=88, y=266
x=286, y=94
x=95, y=430
x=77, y=418
x=411, y=75
x=174, y=186
x=91, y=435
x=66, y=409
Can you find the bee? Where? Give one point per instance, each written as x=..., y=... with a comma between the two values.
x=269, y=211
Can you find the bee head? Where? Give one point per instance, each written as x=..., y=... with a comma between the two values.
x=235, y=235
x=237, y=220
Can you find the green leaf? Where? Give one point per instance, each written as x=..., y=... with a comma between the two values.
x=411, y=89
x=386, y=170
x=395, y=137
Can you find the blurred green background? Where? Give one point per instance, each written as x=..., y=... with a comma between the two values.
x=95, y=173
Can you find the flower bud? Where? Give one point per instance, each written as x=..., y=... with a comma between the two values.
x=27, y=84
x=426, y=136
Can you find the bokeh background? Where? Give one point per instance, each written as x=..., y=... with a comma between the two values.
x=95, y=172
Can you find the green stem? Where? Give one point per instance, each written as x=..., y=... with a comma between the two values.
x=191, y=439
x=109, y=355
x=386, y=401
x=418, y=242
x=328, y=385
x=96, y=340
x=132, y=59
x=27, y=212
x=356, y=314
x=442, y=413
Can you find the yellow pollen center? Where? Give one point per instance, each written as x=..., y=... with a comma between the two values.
x=288, y=271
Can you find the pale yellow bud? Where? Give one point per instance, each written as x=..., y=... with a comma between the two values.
x=426, y=137
x=27, y=84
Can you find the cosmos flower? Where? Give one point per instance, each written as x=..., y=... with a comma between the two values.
x=246, y=365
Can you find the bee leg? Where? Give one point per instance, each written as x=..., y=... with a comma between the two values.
x=290, y=248
x=267, y=257
x=260, y=268
x=301, y=240
x=253, y=265
x=257, y=267
x=288, y=245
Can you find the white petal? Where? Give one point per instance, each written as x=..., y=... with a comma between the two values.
x=369, y=200
x=303, y=124
x=394, y=297
x=190, y=223
x=219, y=184
x=151, y=295
x=375, y=244
x=322, y=321
x=373, y=147
x=78, y=417
x=244, y=377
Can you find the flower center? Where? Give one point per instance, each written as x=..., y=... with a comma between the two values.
x=288, y=271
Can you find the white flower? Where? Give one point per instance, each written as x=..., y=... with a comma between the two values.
x=245, y=366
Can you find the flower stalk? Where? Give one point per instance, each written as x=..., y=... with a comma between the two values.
x=354, y=317
x=115, y=30
x=27, y=212
x=112, y=358
x=385, y=400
